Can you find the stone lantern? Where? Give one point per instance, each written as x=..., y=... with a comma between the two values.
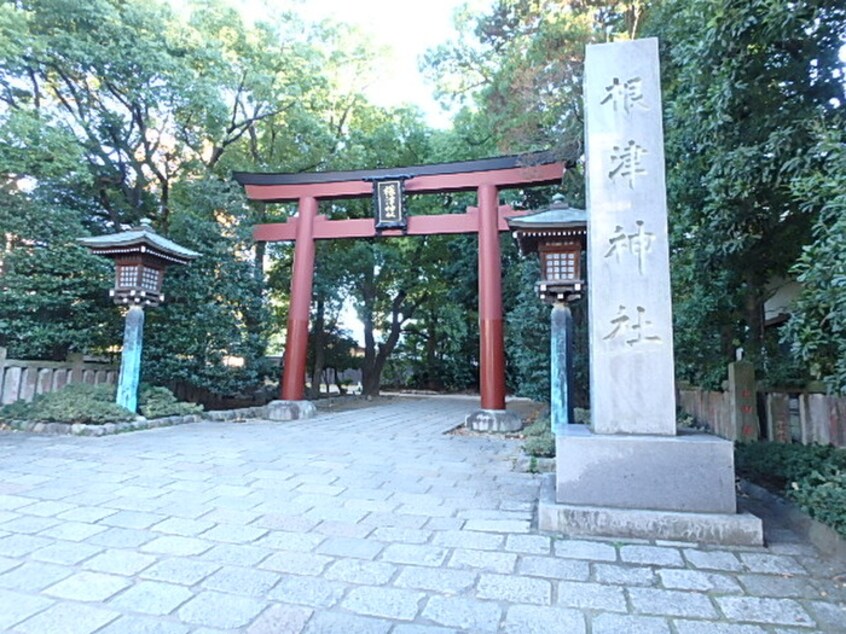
x=558, y=234
x=141, y=257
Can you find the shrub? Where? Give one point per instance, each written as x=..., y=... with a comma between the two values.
x=77, y=403
x=540, y=441
x=814, y=476
x=157, y=402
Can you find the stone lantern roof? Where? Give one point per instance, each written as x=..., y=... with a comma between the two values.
x=559, y=221
x=141, y=240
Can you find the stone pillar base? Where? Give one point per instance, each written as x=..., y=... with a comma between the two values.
x=725, y=529
x=290, y=410
x=493, y=420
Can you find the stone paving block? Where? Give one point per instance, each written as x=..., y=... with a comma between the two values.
x=151, y=597
x=651, y=555
x=514, y=589
x=122, y=538
x=61, y=552
x=119, y=562
x=709, y=627
x=7, y=563
x=33, y=576
x=236, y=554
x=187, y=572
x=411, y=628
x=671, y=603
x=182, y=526
x=67, y=618
x=462, y=613
x=296, y=563
x=402, y=535
x=311, y=591
x=281, y=619
x=699, y=580
x=15, y=607
x=233, y=534
x=28, y=524
x=583, y=549
x=219, y=610
x=779, y=586
x=350, y=547
x=618, y=623
x=624, y=575
x=468, y=539
x=713, y=560
x=237, y=517
x=591, y=596
x=88, y=514
x=483, y=560
x=498, y=526
x=553, y=568
x=529, y=544
x=176, y=545
x=828, y=615
x=442, y=580
x=420, y=555
x=389, y=603
x=133, y=519
x=73, y=531
x=286, y=540
x=772, y=564
x=143, y=625
x=44, y=508
x=337, y=514
x=344, y=623
x=246, y=581
x=763, y=610
x=12, y=502
x=88, y=586
x=443, y=523
x=361, y=572
x=402, y=521
x=371, y=506
x=20, y=545
x=281, y=522
x=527, y=619
x=343, y=529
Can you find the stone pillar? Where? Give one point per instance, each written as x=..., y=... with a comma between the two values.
x=130, y=359
x=631, y=334
x=631, y=475
x=561, y=368
x=743, y=405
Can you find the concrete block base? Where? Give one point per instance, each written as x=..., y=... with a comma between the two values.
x=290, y=410
x=596, y=521
x=495, y=420
x=688, y=473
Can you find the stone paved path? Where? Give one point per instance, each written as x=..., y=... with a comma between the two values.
x=363, y=521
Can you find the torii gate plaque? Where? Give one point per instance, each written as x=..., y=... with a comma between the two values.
x=486, y=176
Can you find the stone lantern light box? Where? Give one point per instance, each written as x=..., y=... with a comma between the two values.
x=141, y=257
x=558, y=235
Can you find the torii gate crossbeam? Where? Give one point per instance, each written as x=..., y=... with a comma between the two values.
x=486, y=176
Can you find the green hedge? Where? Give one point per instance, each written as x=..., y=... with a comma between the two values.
x=814, y=476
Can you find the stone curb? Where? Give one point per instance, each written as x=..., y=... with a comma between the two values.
x=532, y=464
x=823, y=537
x=110, y=429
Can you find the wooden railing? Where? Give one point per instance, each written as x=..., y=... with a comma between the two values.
x=24, y=379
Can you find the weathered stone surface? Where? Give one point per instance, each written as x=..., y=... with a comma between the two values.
x=493, y=420
x=631, y=471
x=290, y=410
x=577, y=520
x=631, y=333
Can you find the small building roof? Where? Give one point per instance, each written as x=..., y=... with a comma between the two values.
x=141, y=239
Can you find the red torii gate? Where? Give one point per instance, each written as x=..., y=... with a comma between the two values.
x=487, y=176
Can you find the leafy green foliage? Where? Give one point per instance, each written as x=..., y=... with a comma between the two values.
x=76, y=403
x=817, y=329
x=158, y=402
x=540, y=442
x=812, y=475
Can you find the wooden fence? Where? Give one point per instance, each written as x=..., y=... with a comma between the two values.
x=24, y=379
x=784, y=416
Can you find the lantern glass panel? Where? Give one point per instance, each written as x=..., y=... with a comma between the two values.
x=127, y=276
x=150, y=279
x=561, y=262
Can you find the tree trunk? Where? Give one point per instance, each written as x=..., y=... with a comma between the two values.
x=318, y=342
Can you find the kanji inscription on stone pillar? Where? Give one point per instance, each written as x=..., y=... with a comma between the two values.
x=631, y=335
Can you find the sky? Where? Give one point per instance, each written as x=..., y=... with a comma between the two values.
x=406, y=29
